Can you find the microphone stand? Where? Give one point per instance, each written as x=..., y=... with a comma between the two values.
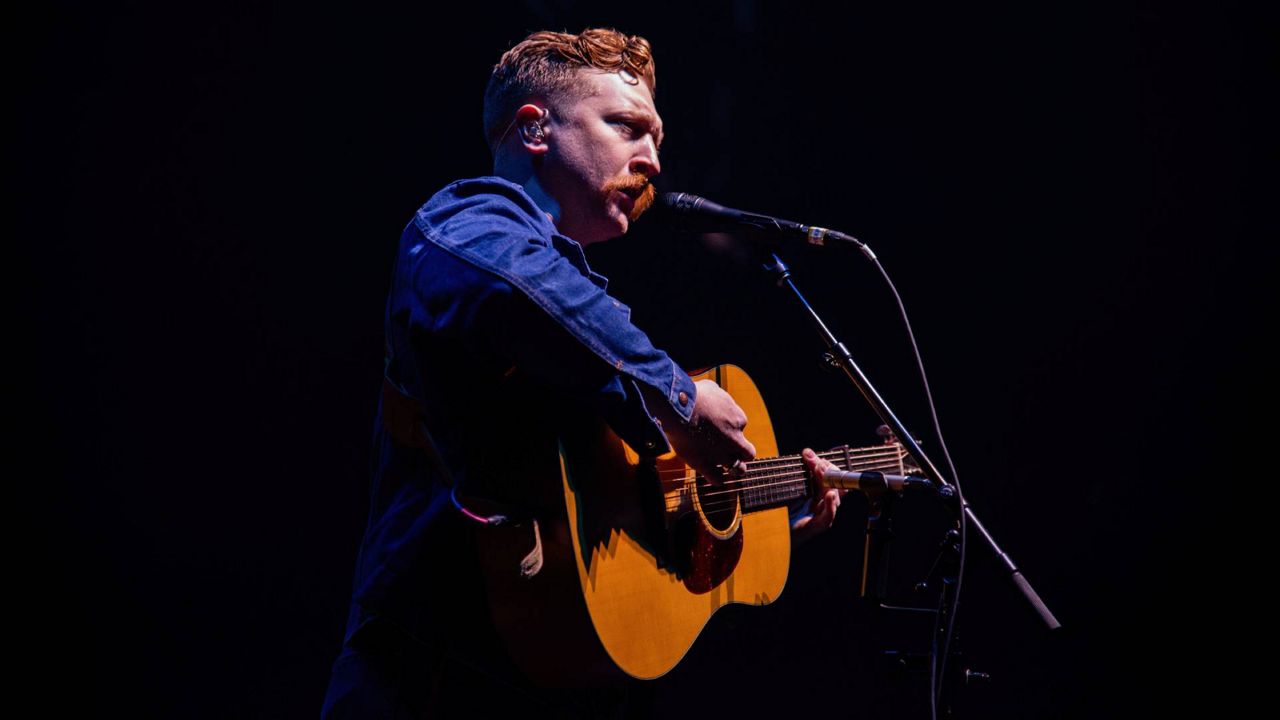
x=844, y=360
x=880, y=515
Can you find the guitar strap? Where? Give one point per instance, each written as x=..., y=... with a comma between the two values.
x=405, y=420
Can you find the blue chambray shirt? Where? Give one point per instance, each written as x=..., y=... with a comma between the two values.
x=483, y=287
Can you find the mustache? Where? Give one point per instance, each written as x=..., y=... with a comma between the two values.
x=639, y=188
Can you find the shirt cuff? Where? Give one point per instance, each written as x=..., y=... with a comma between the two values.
x=683, y=393
x=640, y=428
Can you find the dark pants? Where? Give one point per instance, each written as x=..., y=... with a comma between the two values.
x=383, y=674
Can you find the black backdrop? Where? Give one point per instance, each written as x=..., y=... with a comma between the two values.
x=208, y=200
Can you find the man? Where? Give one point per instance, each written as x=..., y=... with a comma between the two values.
x=494, y=317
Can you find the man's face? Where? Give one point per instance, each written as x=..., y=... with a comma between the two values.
x=602, y=151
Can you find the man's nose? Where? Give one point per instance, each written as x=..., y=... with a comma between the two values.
x=646, y=160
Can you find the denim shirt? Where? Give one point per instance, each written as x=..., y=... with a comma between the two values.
x=483, y=288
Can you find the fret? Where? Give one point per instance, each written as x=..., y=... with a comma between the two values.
x=777, y=481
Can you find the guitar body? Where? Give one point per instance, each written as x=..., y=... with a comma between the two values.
x=636, y=555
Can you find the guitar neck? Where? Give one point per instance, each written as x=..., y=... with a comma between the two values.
x=778, y=481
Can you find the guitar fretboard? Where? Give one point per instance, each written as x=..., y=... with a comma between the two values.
x=777, y=481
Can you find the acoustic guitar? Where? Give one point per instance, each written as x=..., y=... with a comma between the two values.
x=637, y=555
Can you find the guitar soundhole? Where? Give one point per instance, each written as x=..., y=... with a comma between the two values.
x=718, y=505
x=712, y=555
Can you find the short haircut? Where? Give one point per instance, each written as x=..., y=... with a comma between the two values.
x=545, y=65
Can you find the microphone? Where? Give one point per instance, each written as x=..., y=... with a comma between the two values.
x=704, y=214
x=872, y=483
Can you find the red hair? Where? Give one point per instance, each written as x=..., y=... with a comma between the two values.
x=545, y=65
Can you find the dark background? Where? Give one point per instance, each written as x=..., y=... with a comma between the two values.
x=208, y=201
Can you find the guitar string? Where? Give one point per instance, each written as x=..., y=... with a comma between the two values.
x=762, y=479
x=837, y=452
x=785, y=474
x=789, y=476
x=860, y=452
x=890, y=450
x=779, y=493
x=782, y=494
x=795, y=484
x=756, y=480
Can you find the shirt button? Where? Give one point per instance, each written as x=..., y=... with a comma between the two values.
x=684, y=398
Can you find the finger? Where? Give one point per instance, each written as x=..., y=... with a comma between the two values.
x=830, y=502
x=823, y=516
x=811, y=461
x=816, y=461
x=826, y=507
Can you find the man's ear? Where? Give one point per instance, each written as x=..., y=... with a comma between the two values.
x=532, y=127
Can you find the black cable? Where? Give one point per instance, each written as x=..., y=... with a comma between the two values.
x=935, y=688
